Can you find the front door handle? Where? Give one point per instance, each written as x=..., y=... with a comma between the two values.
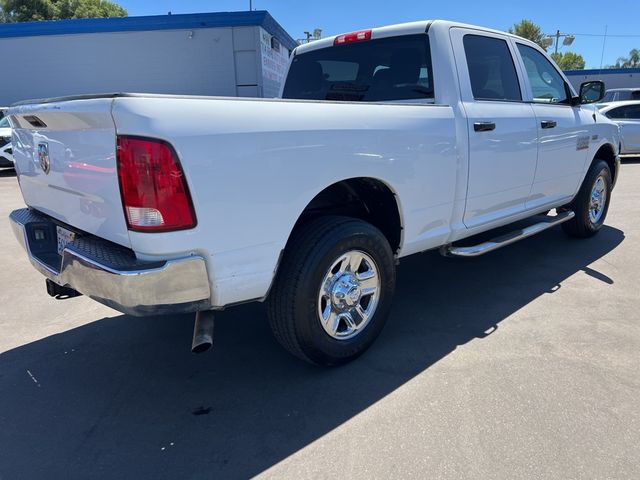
x=484, y=126
x=548, y=124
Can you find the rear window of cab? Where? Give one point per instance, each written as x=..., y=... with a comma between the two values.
x=386, y=69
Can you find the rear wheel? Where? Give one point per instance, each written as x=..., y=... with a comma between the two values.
x=333, y=291
x=592, y=202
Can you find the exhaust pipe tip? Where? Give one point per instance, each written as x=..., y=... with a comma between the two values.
x=201, y=347
x=202, y=332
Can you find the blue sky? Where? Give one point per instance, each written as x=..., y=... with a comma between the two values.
x=584, y=18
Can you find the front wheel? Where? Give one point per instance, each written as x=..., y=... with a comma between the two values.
x=333, y=291
x=592, y=202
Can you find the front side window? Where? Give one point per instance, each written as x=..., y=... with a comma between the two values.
x=4, y=122
x=394, y=68
x=491, y=70
x=619, y=112
x=547, y=84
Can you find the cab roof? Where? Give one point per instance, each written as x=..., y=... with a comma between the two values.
x=410, y=28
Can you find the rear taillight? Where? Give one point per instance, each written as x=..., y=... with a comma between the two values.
x=153, y=188
x=360, y=36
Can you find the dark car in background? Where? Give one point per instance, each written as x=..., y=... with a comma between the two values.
x=621, y=95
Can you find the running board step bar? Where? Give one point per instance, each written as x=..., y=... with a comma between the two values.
x=504, y=240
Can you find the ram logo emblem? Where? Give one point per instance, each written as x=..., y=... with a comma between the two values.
x=43, y=156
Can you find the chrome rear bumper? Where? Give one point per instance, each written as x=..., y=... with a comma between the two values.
x=111, y=274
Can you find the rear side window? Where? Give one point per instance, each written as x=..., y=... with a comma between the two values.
x=395, y=68
x=491, y=69
x=635, y=95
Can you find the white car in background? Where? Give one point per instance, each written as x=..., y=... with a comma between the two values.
x=627, y=116
x=6, y=152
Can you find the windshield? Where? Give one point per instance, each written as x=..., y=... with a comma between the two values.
x=394, y=68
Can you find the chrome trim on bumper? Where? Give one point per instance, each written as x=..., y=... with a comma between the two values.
x=137, y=288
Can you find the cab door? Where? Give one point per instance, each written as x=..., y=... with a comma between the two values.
x=501, y=127
x=563, y=133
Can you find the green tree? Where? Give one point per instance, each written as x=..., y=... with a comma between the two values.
x=35, y=10
x=632, y=61
x=568, y=60
x=529, y=30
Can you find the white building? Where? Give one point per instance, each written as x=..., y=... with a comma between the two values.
x=229, y=54
x=612, y=78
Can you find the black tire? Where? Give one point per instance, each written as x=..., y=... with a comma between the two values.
x=582, y=225
x=293, y=302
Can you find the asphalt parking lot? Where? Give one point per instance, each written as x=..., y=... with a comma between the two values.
x=524, y=363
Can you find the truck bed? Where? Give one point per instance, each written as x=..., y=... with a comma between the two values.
x=251, y=165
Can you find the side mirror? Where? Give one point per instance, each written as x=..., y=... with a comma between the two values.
x=592, y=92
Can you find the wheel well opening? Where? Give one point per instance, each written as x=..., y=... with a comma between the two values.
x=607, y=154
x=365, y=198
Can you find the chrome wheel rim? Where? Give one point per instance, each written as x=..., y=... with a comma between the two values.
x=597, y=200
x=349, y=295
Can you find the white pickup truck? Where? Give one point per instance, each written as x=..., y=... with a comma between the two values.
x=385, y=143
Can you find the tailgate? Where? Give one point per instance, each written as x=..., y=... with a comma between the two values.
x=65, y=156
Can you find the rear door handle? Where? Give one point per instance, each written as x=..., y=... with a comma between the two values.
x=484, y=126
x=548, y=124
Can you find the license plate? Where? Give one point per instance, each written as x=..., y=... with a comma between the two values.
x=64, y=237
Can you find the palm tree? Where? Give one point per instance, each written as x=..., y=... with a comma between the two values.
x=632, y=61
x=529, y=30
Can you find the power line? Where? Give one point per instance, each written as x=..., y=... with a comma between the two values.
x=608, y=35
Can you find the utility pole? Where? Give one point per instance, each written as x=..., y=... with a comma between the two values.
x=251, y=5
x=568, y=40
